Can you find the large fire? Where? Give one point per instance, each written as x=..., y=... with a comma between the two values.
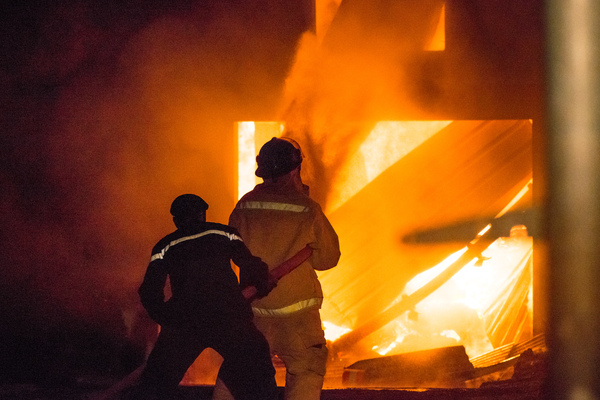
x=387, y=142
x=460, y=311
x=378, y=180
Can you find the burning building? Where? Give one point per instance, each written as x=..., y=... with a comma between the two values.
x=411, y=118
x=413, y=115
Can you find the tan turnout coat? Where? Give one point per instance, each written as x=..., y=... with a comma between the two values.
x=275, y=221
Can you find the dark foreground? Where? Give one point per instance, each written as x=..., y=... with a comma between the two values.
x=504, y=390
x=526, y=381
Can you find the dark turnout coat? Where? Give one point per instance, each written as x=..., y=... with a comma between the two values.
x=204, y=287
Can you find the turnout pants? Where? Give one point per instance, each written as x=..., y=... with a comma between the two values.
x=246, y=370
x=299, y=341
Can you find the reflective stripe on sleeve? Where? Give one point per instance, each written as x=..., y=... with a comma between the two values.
x=270, y=205
x=161, y=253
x=278, y=312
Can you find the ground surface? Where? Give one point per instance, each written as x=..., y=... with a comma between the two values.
x=509, y=390
x=526, y=382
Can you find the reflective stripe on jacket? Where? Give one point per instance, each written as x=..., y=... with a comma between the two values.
x=160, y=254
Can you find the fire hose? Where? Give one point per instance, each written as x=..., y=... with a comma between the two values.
x=281, y=270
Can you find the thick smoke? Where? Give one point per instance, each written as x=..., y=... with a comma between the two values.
x=111, y=110
x=369, y=65
x=353, y=77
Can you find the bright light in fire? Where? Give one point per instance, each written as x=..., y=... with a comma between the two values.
x=387, y=143
x=332, y=332
x=387, y=349
x=465, y=300
x=484, y=230
x=468, y=300
x=251, y=136
x=450, y=334
x=246, y=157
x=421, y=279
x=480, y=285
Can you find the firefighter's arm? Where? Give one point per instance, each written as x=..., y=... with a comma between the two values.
x=151, y=291
x=253, y=270
x=326, y=247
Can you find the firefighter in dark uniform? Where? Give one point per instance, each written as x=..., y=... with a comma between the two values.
x=206, y=309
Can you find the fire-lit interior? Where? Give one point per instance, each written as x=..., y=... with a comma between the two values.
x=407, y=167
x=422, y=122
x=380, y=179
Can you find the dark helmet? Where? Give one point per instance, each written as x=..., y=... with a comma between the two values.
x=188, y=205
x=277, y=157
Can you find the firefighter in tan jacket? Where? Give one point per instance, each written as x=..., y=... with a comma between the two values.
x=276, y=220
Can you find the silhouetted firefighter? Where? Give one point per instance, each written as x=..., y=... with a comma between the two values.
x=207, y=308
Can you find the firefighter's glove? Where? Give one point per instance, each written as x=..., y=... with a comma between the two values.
x=265, y=287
